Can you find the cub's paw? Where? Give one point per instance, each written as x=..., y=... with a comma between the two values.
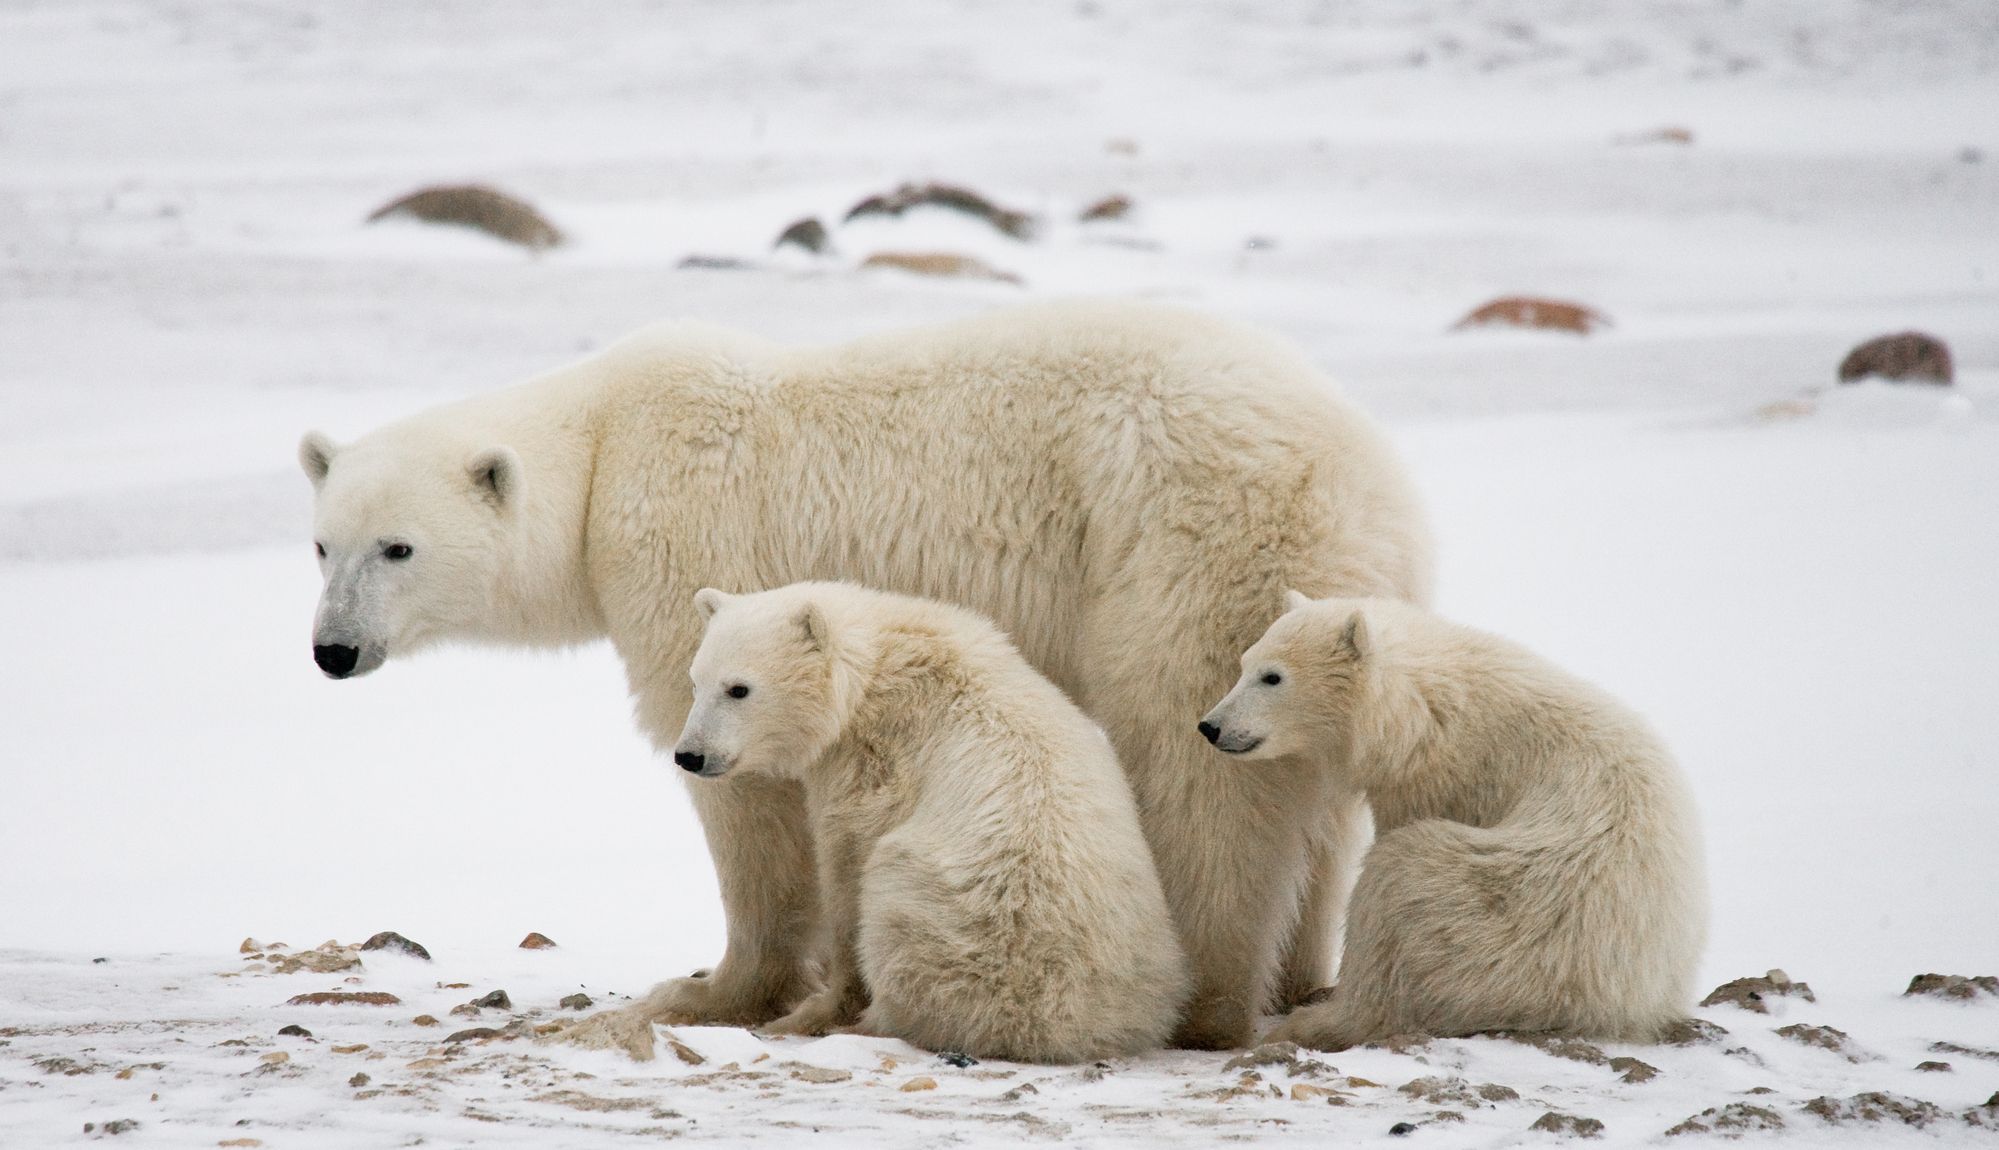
x=1312, y=1028
x=820, y=1014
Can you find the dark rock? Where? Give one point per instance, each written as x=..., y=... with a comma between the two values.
x=359, y=1080
x=1934, y=1067
x=958, y=1059
x=808, y=234
x=475, y=206
x=1749, y=993
x=1986, y=1116
x=1954, y=986
x=498, y=1000
x=1734, y=1119
x=1692, y=1032
x=715, y=264
x=1018, y=225
x=99, y=961
x=115, y=1126
x=1905, y=357
x=1634, y=1070
x=390, y=940
x=295, y=1031
x=578, y=1001
x=1967, y=1051
x=1875, y=1106
x=1402, y=1128
x=471, y=1033
x=1530, y=311
x=537, y=941
x=1572, y=1125
x=344, y=998
x=1114, y=207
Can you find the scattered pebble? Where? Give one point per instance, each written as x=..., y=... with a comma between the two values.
x=1825, y=1038
x=295, y=1031
x=921, y=1082
x=426, y=1020
x=808, y=234
x=1560, y=1046
x=1733, y=1120
x=1904, y=357
x=471, y=1033
x=1955, y=986
x=1934, y=1067
x=1402, y=1128
x=478, y=207
x=390, y=940
x=115, y=1126
x=684, y=1052
x=1967, y=1051
x=537, y=941
x=1692, y=1032
x=577, y=1001
x=1112, y=207
x=498, y=1000
x=1875, y=1106
x=344, y=998
x=1634, y=1070
x=1534, y=312
x=359, y=1080
x=945, y=264
x=1568, y=1125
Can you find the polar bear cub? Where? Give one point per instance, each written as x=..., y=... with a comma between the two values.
x=1537, y=864
x=983, y=878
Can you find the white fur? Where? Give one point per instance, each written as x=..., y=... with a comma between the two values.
x=1125, y=489
x=985, y=884
x=1538, y=865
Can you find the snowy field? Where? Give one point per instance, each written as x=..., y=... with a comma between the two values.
x=1801, y=597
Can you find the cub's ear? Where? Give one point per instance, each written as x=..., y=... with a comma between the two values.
x=1355, y=638
x=1295, y=599
x=496, y=472
x=708, y=601
x=812, y=621
x=315, y=454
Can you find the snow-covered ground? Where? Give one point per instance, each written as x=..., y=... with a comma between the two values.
x=1804, y=604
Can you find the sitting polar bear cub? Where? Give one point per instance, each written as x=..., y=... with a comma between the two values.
x=984, y=880
x=1538, y=866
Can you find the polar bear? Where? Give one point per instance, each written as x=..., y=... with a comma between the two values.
x=983, y=882
x=1538, y=866
x=1125, y=489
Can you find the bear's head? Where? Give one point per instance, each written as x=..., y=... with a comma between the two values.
x=1305, y=685
x=772, y=689
x=411, y=537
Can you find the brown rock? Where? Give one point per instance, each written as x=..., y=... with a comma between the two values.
x=1749, y=993
x=498, y=1000
x=1570, y=1125
x=537, y=941
x=470, y=1033
x=945, y=264
x=1457, y=1092
x=249, y=946
x=684, y=1052
x=1560, y=1046
x=808, y=234
x=326, y=958
x=390, y=940
x=475, y=206
x=1967, y=1051
x=359, y=1080
x=426, y=1020
x=1823, y=1037
x=294, y=1031
x=1113, y=207
x=1934, y=1067
x=1634, y=1070
x=1954, y=986
x=577, y=1001
x=1875, y=1106
x=1734, y=1120
x=819, y=1074
x=1905, y=357
x=920, y=1082
x=1692, y=1032
x=344, y=998
x=350, y=1048
x=1018, y=225
x=1532, y=311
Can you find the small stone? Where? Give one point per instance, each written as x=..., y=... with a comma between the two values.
x=359, y=1080
x=390, y=940
x=275, y=1058
x=1692, y=1032
x=454, y=986
x=1530, y=311
x=1112, y=207
x=115, y=1126
x=1016, y=225
x=1569, y=1125
x=99, y=961
x=921, y=1082
x=957, y=1059
x=498, y=1000
x=1734, y=1119
x=1634, y=1070
x=821, y=1075
x=466, y=1010
x=1823, y=1037
x=1402, y=1128
x=351, y=1048
x=1932, y=1067
x=537, y=941
x=684, y=1052
x=476, y=206
x=808, y=234
x=345, y=998
x=949, y=265
x=241, y=1142
x=250, y=946
x=1904, y=357
x=295, y=1031
x=426, y=1020
x=577, y=1001
x=471, y=1033
x=1954, y=986
x=1749, y=993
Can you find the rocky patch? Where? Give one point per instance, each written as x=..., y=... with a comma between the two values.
x=1956, y=987
x=1730, y=1121
x=1874, y=1106
x=1751, y=993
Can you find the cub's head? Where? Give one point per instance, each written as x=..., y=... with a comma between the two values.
x=771, y=691
x=411, y=536
x=1304, y=684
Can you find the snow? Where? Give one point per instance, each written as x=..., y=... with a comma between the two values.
x=1800, y=599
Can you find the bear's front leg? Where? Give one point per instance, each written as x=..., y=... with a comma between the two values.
x=844, y=838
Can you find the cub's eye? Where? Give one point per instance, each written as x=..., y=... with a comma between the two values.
x=1272, y=678
x=738, y=692
x=397, y=551
x=321, y=548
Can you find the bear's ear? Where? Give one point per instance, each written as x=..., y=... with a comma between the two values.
x=812, y=621
x=1355, y=638
x=708, y=601
x=315, y=454
x=1294, y=599
x=496, y=472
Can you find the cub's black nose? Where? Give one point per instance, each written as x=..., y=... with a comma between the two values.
x=1209, y=731
x=336, y=660
x=688, y=760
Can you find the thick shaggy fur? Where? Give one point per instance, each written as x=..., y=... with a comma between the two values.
x=1538, y=865
x=984, y=882
x=1125, y=490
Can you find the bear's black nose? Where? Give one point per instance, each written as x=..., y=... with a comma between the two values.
x=336, y=660
x=1209, y=731
x=690, y=761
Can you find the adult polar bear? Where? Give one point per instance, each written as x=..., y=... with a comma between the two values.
x=1127, y=490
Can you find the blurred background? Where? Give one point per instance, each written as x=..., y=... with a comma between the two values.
x=1666, y=223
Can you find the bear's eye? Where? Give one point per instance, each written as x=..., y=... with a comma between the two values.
x=321, y=548
x=397, y=551
x=1272, y=678
x=739, y=691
